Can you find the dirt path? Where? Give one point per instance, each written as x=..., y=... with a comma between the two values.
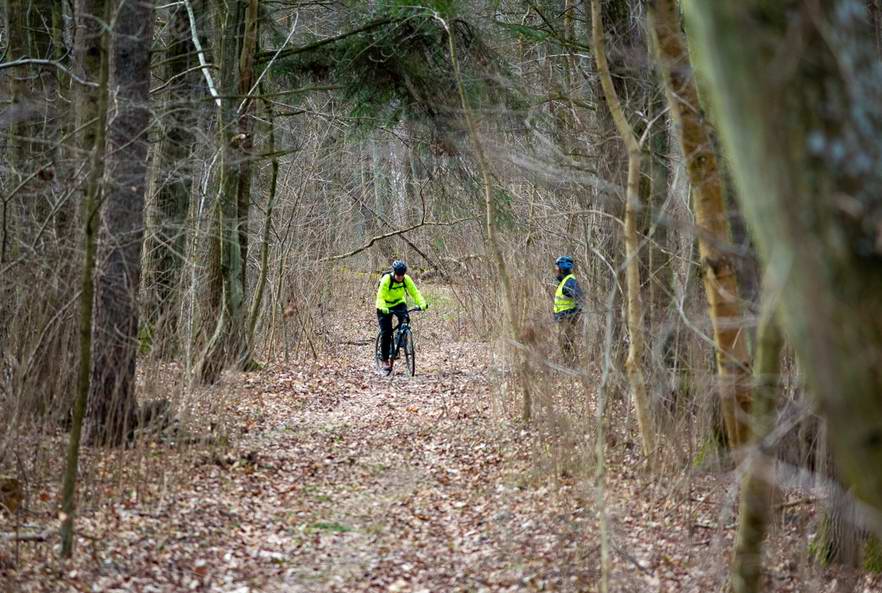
x=336, y=479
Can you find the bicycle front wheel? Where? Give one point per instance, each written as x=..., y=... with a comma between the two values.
x=409, y=354
x=378, y=352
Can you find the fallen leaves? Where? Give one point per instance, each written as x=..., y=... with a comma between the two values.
x=324, y=477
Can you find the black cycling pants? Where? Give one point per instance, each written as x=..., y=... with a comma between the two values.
x=385, y=321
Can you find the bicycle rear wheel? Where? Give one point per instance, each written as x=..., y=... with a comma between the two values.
x=409, y=354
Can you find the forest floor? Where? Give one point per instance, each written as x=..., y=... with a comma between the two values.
x=329, y=477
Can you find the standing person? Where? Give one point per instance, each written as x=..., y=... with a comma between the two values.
x=392, y=291
x=568, y=301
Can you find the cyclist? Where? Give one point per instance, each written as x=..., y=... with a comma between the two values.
x=568, y=301
x=392, y=290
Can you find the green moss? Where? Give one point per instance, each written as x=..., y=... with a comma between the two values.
x=332, y=526
x=821, y=545
x=708, y=453
x=145, y=338
x=873, y=555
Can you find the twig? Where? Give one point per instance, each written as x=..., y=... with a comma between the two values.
x=314, y=46
x=270, y=63
x=796, y=503
x=624, y=554
x=178, y=75
x=41, y=536
x=53, y=63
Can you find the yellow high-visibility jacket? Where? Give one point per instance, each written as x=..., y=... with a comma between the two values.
x=391, y=293
x=562, y=301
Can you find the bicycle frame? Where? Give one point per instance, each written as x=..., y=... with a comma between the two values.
x=399, y=334
x=403, y=328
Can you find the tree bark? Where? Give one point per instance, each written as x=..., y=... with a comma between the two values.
x=226, y=297
x=714, y=236
x=117, y=279
x=263, y=273
x=837, y=539
x=634, y=362
x=754, y=510
x=797, y=91
x=246, y=129
x=165, y=242
x=90, y=217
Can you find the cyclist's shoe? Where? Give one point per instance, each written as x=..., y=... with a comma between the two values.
x=387, y=368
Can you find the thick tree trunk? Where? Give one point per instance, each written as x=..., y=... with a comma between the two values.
x=117, y=279
x=714, y=237
x=801, y=115
x=634, y=362
x=837, y=539
x=754, y=511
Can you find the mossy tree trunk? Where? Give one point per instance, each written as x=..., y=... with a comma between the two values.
x=754, y=510
x=801, y=116
x=714, y=237
x=837, y=539
x=225, y=306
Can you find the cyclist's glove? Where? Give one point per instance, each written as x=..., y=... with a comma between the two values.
x=424, y=307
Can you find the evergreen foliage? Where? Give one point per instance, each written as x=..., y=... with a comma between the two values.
x=396, y=68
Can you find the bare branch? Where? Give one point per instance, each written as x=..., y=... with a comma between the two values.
x=395, y=233
x=53, y=63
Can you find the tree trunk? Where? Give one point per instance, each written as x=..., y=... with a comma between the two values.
x=634, y=362
x=714, y=236
x=801, y=116
x=21, y=107
x=754, y=511
x=117, y=278
x=874, y=7
x=246, y=130
x=263, y=273
x=226, y=297
x=511, y=319
x=90, y=217
x=837, y=540
x=166, y=239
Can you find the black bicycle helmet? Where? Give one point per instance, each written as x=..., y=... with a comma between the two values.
x=565, y=263
x=399, y=267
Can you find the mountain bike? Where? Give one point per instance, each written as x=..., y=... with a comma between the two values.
x=402, y=341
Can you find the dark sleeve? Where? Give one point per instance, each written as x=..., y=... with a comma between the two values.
x=573, y=290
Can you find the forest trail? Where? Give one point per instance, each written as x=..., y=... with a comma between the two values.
x=337, y=479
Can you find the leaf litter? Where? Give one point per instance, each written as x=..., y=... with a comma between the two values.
x=329, y=478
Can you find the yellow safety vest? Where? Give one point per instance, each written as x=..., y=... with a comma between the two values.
x=561, y=301
x=391, y=293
